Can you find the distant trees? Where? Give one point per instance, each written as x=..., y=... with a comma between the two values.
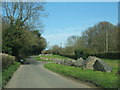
x=101, y=38
x=55, y=49
x=20, y=32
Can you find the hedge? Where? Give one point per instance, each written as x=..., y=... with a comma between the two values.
x=110, y=55
x=7, y=60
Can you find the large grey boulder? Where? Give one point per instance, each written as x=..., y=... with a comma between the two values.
x=96, y=64
x=79, y=62
x=54, y=60
x=57, y=61
x=100, y=65
x=89, y=62
x=68, y=62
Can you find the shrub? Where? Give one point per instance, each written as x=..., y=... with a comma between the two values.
x=7, y=60
x=78, y=54
x=110, y=55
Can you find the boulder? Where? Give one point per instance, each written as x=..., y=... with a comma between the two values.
x=118, y=72
x=54, y=60
x=100, y=65
x=79, y=62
x=62, y=61
x=57, y=61
x=68, y=62
x=73, y=62
x=96, y=64
x=88, y=64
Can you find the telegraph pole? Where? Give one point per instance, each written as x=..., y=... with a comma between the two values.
x=106, y=39
x=61, y=45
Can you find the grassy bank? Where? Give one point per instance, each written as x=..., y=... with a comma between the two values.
x=39, y=58
x=101, y=79
x=7, y=73
x=54, y=56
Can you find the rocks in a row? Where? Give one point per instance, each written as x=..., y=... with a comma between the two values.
x=91, y=62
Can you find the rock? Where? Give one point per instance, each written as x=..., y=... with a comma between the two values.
x=62, y=61
x=118, y=72
x=100, y=65
x=96, y=64
x=72, y=63
x=88, y=64
x=68, y=62
x=57, y=61
x=79, y=62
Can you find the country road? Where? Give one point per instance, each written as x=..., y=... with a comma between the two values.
x=34, y=75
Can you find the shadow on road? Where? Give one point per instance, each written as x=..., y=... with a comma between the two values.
x=32, y=61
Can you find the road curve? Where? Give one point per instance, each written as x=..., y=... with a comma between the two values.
x=34, y=75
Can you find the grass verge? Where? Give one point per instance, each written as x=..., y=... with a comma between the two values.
x=101, y=79
x=8, y=73
x=39, y=58
x=54, y=56
x=0, y=79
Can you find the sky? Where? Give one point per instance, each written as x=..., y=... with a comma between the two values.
x=72, y=18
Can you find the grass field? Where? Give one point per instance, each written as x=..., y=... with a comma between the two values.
x=101, y=79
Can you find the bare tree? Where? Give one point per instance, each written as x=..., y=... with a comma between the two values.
x=20, y=13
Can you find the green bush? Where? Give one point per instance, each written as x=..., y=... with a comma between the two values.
x=78, y=54
x=7, y=60
x=110, y=55
x=101, y=79
x=7, y=73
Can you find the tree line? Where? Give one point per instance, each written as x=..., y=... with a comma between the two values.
x=22, y=28
x=100, y=38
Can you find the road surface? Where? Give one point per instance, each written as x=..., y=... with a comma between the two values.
x=34, y=75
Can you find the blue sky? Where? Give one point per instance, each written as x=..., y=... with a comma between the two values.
x=72, y=18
